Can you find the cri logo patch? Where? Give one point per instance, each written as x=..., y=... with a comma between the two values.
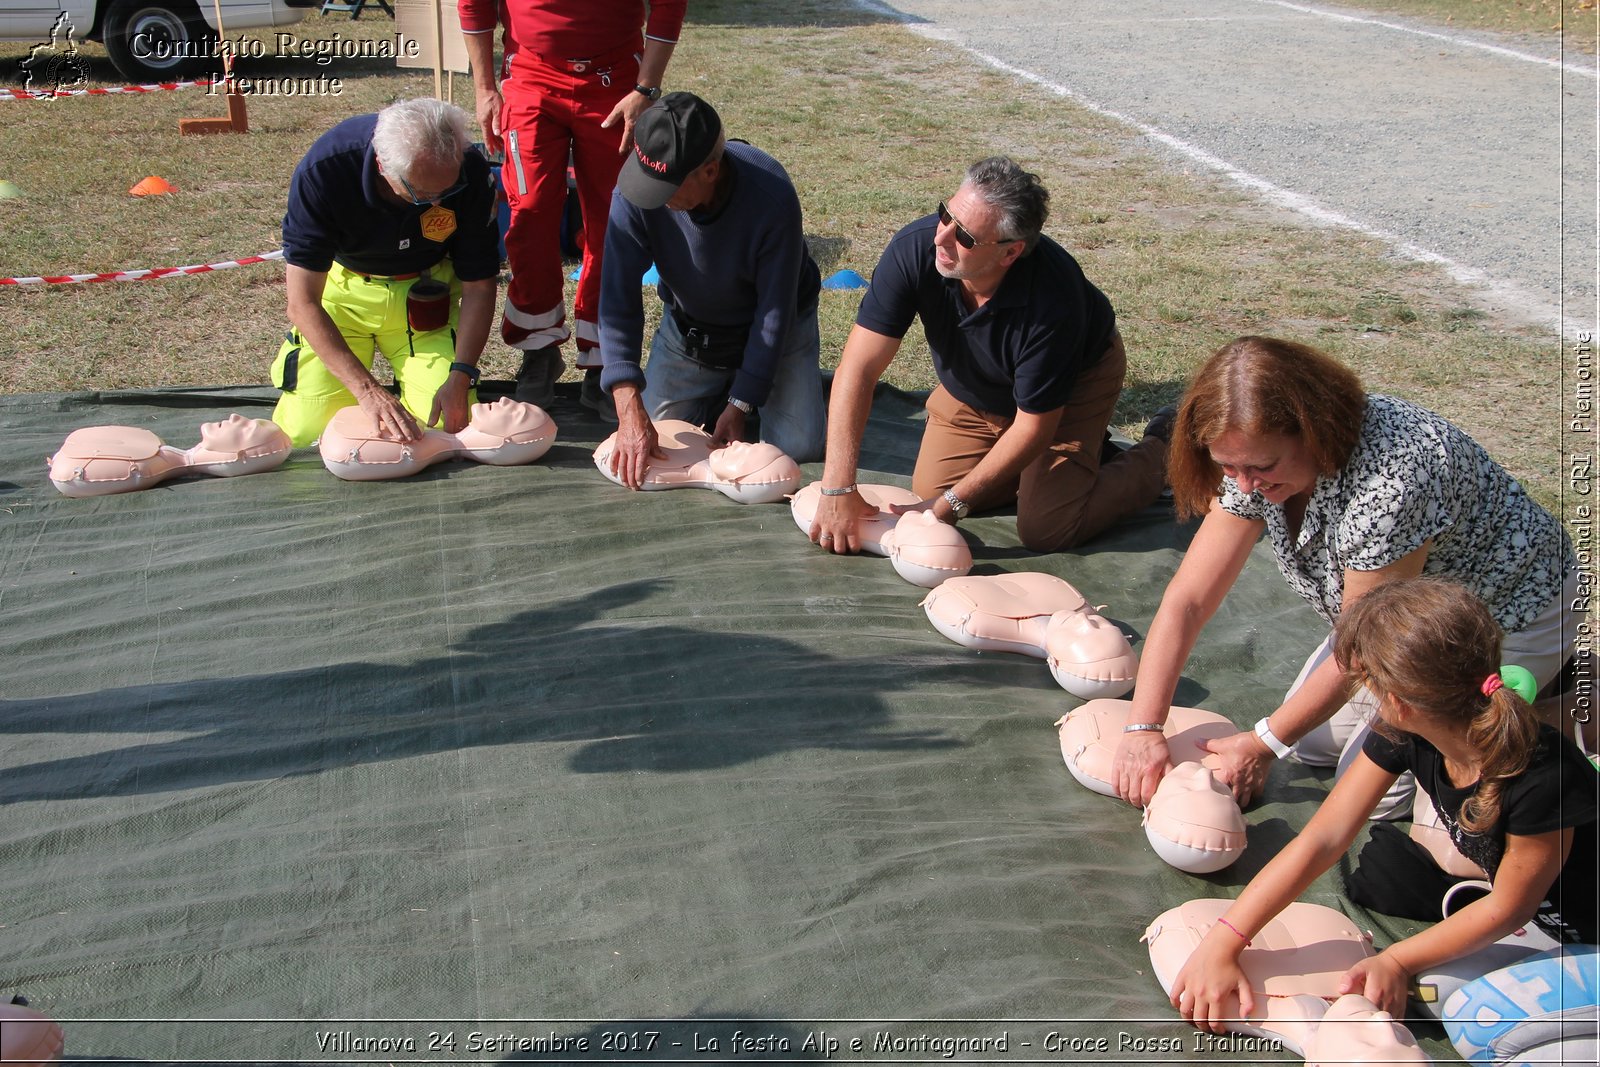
x=438, y=223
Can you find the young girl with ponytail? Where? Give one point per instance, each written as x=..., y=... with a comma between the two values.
x=1516, y=797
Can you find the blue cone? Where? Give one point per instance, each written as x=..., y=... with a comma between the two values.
x=844, y=279
x=651, y=276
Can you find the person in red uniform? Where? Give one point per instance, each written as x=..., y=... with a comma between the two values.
x=576, y=74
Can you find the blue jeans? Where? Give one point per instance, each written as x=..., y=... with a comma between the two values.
x=795, y=416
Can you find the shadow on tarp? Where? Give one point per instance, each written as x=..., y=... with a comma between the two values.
x=686, y=707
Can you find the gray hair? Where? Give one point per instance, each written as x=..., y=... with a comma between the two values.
x=414, y=130
x=1022, y=202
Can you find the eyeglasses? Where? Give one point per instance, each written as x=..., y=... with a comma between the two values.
x=964, y=236
x=433, y=198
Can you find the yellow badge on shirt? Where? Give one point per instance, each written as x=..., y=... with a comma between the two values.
x=438, y=223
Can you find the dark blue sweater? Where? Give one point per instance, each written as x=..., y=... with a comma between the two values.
x=745, y=265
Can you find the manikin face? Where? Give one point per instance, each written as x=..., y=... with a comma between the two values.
x=1275, y=465
x=1192, y=790
x=1354, y=1031
x=989, y=256
x=504, y=417
x=235, y=433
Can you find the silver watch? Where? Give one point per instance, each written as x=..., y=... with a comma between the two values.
x=958, y=507
x=748, y=409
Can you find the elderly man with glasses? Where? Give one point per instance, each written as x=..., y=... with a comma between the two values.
x=1029, y=364
x=390, y=246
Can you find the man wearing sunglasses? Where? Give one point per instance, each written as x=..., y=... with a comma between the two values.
x=1029, y=364
x=390, y=226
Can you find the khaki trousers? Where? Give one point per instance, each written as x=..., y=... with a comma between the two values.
x=1066, y=496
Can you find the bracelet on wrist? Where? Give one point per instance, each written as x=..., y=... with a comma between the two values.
x=842, y=491
x=1139, y=727
x=1235, y=929
x=1270, y=739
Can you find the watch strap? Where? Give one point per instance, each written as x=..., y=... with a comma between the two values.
x=469, y=370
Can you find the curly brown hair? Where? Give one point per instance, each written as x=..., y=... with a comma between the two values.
x=1262, y=385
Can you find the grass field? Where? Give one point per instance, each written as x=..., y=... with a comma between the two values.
x=1576, y=19
x=874, y=124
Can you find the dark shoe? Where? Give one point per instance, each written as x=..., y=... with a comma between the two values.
x=596, y=399
x=1160, y=424
x=536, y=380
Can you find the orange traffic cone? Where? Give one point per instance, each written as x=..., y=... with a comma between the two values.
x=153, y=186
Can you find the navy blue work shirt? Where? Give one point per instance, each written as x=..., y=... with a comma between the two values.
x=337, y=213
x=1024, y=349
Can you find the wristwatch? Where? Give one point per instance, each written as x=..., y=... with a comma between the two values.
x=650, y=93
x=747, y=408
x=469, y=370
x=958, y=507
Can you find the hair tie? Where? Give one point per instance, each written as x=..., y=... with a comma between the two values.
x=1491, y=684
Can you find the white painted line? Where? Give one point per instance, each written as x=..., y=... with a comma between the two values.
x=1535, y=307
x=1544, y=313
x=1463, y=42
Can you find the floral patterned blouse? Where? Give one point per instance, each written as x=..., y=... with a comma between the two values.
x=1414, y=477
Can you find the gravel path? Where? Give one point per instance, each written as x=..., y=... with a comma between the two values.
x=1471, y=150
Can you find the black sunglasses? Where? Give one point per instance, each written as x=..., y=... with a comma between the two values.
x=964, y=237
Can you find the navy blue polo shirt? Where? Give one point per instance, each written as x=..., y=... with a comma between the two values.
x=336, y=213
x=1024, y=349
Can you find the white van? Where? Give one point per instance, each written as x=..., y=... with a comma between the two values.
x=147, y=40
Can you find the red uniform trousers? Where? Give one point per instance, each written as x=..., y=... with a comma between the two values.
x=551, y=109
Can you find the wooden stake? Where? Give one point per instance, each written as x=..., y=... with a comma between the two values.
x=237, y=121
x=438, y=49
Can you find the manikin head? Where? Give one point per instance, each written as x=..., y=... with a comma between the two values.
x=237, y=433
x=1354, y=1031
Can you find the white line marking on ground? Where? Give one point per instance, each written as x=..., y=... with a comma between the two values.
x=1534, y=307
x=1464, y=42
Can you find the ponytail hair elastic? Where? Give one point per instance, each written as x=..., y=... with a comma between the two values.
x=1491, y=684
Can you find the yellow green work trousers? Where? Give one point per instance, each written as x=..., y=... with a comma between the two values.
x=371, y=314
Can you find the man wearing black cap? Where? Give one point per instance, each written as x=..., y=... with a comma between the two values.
x=721, y=222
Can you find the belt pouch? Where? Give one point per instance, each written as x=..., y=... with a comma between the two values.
x=427, y=305
x=712, y=347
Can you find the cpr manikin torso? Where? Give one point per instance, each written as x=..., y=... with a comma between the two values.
x=27, y=1037
x=1042, y=616
x=99, y=460
x=749, y=473
x=1294, y=966
x=505, y=433
x=923, y=550
x=1192, y=822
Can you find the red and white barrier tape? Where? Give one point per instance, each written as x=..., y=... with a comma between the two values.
x=145, y=275
x=47, y=94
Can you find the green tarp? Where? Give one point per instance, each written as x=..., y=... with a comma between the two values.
x=514, y=752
